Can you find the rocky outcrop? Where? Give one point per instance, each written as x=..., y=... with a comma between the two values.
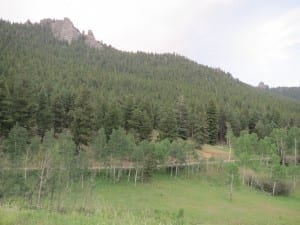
x=262, y=85
x=91, y=41
x=64, y=30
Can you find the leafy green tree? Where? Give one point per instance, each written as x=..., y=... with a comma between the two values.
x=149, y=160
x=16, y=142
x=279, y=137
x=232, y=172
x=246, y=148
x=211, y=118
x=99, y=144
x=162, y=150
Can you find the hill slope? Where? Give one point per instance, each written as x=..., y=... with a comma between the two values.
x=291, y=92
x=39, y=73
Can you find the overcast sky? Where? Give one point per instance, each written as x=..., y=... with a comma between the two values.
x=254, y=40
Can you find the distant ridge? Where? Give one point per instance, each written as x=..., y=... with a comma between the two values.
x=290, y=92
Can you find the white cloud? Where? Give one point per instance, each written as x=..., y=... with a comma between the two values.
x=271, y=42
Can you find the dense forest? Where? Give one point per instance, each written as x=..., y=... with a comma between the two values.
x=66, y=108
x=291, y=92
x=49, y=84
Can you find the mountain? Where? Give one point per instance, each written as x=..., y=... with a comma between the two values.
x=51, y=70
x=290, y=92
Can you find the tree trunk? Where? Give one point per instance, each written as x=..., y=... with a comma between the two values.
x=295, y=159
x=40, y=186
x=188, y=170
x=274, y=188
x=176, y=171
x=171, y=171
x=251, y=184
x=231, y=187
x=119, y=174
x=135, y=177
x=244, y=174
x=42, y=179
x=295, y=164
x=282, y=152
x=229, y=155
x=129, y=172
x=114, y=175
x=25, y=168
x=82, y=181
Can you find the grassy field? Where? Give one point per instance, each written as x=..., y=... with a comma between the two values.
x=166, y=200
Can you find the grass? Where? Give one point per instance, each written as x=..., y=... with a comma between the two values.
x=166, y=200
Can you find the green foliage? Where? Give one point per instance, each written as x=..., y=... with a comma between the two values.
x=211, y=120
x=99, y=144
x=17, y=142
x=232, y=169
x=182, y=119
x=58, y=114
x=124, y=88
x=120, y=144
x=83, y=120
x=43, y=114
x=168, y=125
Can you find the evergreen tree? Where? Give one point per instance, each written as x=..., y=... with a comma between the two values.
x=182, y=119
x=140, y=124
x=200, y=132
x=6, y=104
x=82, y=125
x=168, y=125
x=24, y=106
x=58, y=115
x=211, y=119
x=112, y=119
x=43, y=115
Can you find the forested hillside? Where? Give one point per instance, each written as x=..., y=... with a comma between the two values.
x=291, y=92
x=50, y=84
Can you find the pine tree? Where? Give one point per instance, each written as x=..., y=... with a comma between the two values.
x=182, y=119
x=200, y=131
x=168, y=125
x=43, y=115
x=112, y=119
x=58, y=115
x=24, y=106
x=82, y=125
x=6, y=104
x=211, y=118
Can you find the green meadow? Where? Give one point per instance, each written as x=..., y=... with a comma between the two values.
x=165, y=200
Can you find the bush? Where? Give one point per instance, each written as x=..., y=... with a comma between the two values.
x=266, y=184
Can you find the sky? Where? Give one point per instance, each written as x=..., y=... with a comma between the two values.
x=254, y=40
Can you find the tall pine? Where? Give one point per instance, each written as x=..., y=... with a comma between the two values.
x=212, y=123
